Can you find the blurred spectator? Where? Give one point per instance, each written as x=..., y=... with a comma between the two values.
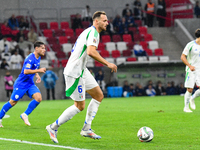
x=32, y=35
x=23, y=44
x=181, y=89
x=13, y=43
x=86, y=14
x=150, y=82
x=8, y=80
x=125, y=10
x=6, y=31
x=169, y=90
x=197, y=9
x=174, y=89
x=126, y=89
x=150, y=91
x=123, y=27
x=130, y=20
x=139, y=90
x=16, y=60
x=23, y=24
x=100, y=79
x=20, y=34
x=19, y=51
x=91, y=71
x=28, y=50
x=132, y=90
x=6, y=56
x=110, y=27
x=160, y=90
x=4, y=45
x=149, y=8
x=117, y=22
x=49, y=78
x=77, y=22
x=13, y=23
x=161, y=11
x=4, y=64
x=137, y=10
x=138, y=50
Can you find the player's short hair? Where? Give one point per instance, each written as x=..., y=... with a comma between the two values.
x=38, y=44
x=97, y=14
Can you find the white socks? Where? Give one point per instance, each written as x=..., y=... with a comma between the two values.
x=187, y=98
x=196, y=94
x=91, y=112
x=65, y=116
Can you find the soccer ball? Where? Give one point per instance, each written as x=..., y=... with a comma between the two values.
x=10, y=83
x=145, y=134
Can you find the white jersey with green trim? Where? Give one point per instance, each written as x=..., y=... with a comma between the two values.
x=192, y=51
x=78, y=59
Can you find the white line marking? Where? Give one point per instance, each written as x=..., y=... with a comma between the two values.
x=42, y=144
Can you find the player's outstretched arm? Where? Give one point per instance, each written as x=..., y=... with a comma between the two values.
x=29, y=71
x=91, y=51
x=184, y=59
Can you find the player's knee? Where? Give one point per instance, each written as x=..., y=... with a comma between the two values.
x=81, y=108
x=190, y=90
x=38, y=99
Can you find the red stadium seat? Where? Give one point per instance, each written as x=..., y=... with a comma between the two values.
x=104, y=53
x=148, y=37
x=56, y=47
x=115, y=53
x=116, y=38
x=158, y=52
x=133, y=29
x=105, y=38
x=61, y=55
x=64, y=62
x=131, y=59
x=53, y=25
x=43, y=25
x=52, y=40
x=127, y=53
x=98, y=64
x=62, y=40
x=144, y=44
x=137, y=37
x=69, y=33
x=149, y=52
x=142, y=30
x=64, y=25
x=138, y=22
x=14, y=32
x=58, y=32
x=130, y=45
x=78, y=31
x=55, y=63
x=73, y=39
x=127, y=38
x=47, y=32
x=85, y=24
x=101, y=46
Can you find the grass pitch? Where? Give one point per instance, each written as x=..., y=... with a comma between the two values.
x=117, y=122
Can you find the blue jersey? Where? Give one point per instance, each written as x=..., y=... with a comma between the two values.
x=26, y=80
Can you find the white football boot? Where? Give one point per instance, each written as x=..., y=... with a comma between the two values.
x=192, y=103
x=187, y=110
x=89, y=133
x=24, y=117
x=52, y=133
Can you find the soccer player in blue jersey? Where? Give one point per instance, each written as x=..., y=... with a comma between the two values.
x=24, y=84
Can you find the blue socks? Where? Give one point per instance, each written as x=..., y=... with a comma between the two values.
x=4, y=109
x=32, y=105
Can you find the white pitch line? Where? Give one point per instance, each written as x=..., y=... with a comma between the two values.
x=42, y=144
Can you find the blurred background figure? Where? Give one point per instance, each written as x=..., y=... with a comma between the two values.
x=13, y=23
x=8, y=80
x=49, y=79
x=77, y=23
x=16, y=61
x=197, y=9
x=150, y=91
x=149, y=8
x=86, y=14
x=125, y=10
x=138, y=49
x=100, y=79
x=126, y=89
x=161, y=11
x=137, y=7
x=4, y=64
x=160, y=90
x=32, y=35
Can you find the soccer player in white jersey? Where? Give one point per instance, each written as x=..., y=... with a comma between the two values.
x=191, y=58
x=78, y=79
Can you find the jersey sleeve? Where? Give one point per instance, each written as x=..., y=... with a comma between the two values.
x=28, y=63
x=93, y=38
x=187, y=49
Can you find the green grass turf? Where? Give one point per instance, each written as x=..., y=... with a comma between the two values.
x=117, y=121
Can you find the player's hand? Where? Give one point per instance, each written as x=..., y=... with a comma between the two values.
x=42, y=70
x=113, y=67
x=38, y=80
x=192, y=68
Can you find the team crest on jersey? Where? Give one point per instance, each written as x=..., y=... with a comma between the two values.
x=28, y=66
x=94, y=41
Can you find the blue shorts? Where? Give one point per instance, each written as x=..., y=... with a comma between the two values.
x=18, y=93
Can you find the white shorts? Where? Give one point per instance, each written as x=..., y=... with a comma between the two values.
x=191, y=78
x=76, y=87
